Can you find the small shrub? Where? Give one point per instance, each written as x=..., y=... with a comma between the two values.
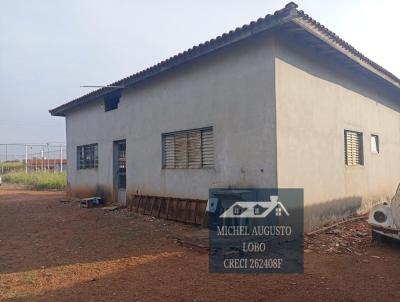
x=11, y=166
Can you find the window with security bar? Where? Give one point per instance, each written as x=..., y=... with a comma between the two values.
x=87, y=156
x=189, y=149
x=353, y=148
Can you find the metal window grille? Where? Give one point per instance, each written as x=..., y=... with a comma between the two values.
x=189, y=149
x=353, y=148
x=87, y=156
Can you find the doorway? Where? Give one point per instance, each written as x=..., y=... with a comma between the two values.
x=120, y=171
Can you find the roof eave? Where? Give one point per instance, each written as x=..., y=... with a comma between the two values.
x=288, y=14
x=307, y=26
x=261, y=25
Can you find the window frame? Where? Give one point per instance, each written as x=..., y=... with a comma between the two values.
x=360, y=156
x=377, y=142
x=111, y=104
x=112, y=100
x=121, y=163
x=204, y=154
x=82, y=156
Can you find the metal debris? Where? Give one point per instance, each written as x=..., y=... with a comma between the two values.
x=110, y=208
x=347, y=237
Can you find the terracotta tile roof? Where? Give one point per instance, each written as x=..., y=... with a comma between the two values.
x=289, y=14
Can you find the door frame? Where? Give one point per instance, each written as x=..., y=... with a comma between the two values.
x=116, y=187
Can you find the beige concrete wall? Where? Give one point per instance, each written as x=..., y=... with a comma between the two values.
x=232, y=90
x=237, y=91
x=316, y=102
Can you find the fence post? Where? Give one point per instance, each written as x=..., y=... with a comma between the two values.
x=48, y=158
x=61, y=159
x=26, y=159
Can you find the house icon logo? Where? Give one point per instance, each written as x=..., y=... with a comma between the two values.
x=255, y=209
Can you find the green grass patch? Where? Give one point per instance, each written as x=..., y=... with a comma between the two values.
x=10, y=166
x=38, y=180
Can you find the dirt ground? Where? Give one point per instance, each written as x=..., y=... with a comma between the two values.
x=56, y=251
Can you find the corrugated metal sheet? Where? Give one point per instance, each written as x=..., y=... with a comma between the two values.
x=191, y=211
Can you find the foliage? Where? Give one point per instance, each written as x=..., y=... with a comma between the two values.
x=39, y=180
x=10, y=166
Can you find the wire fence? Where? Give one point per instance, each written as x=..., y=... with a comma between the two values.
x=32, y=158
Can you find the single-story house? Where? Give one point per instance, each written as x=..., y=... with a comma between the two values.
x=280, y=102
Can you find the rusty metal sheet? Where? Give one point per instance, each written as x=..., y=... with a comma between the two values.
x=190, y=211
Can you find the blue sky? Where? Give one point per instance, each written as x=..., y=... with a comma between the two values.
x=49, y=48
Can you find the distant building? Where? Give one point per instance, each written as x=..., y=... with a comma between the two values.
x=46, y=164
x=281, y=102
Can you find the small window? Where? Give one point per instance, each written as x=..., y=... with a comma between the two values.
x=374, y=143
x=111, y=104
x=353, y=148
x=189, y=149
x=87, y=156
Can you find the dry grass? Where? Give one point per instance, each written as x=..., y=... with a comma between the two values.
x=38, y=180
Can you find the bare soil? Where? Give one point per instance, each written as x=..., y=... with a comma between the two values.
x=55, y=251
